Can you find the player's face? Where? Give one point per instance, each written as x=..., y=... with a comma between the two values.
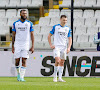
x=63, y=20
x=23, y=15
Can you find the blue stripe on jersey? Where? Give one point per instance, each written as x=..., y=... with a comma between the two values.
x=13, y=28
x=53, y=30
x=69, y=33
x=31, y=26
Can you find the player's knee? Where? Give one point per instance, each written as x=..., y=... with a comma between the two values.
x=62, y=63
x=16, y=63
x=57, y=61
x=24, y=62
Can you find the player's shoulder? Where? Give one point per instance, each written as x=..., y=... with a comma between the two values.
x=29, y=21
x=56, y=25
x=16, y=21
x=67, y=27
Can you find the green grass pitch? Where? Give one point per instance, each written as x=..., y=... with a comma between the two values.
x=46, y=83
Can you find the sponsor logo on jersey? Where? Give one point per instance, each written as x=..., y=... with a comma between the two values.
x=61, y=33
x=22, y=28
x=58, y=28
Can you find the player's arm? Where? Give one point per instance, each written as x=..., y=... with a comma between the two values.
x=32, y=38
x=49, y=37
x=69, y=44
x=13, y=40
x=49, y=40
x=69, y=41
x=13, y=36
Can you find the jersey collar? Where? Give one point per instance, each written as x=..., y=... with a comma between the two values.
x=63, y=26
x=21, y=21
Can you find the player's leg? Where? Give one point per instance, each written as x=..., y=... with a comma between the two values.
x=61, y=67
x=17, y=61
x=61, y=64
x=24, y=55
x=17, y=65
x=23, y=69
x=57, y=59
x=56, y=67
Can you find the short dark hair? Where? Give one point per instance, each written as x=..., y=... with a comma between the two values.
x=63, y=16
x=22, y=10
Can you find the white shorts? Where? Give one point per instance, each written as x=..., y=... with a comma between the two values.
x=60, y=51
x=19, y=52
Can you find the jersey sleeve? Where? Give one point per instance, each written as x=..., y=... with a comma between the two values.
x=31, y=27
x=13, y=27
x=53, y=30
x=70, y=33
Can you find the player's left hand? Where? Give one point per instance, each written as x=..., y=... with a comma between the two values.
x=32, y=50
x=68, y=50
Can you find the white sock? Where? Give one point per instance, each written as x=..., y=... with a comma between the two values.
x=18, y=69
x=22, y=72
x=55, y=71
x=60, y=71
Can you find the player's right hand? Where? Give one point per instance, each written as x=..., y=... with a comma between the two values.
x=32, y=50
x=68, y=50
x=52, y=46
x=12, y=49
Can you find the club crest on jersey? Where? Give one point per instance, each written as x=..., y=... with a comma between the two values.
x=26, y=24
